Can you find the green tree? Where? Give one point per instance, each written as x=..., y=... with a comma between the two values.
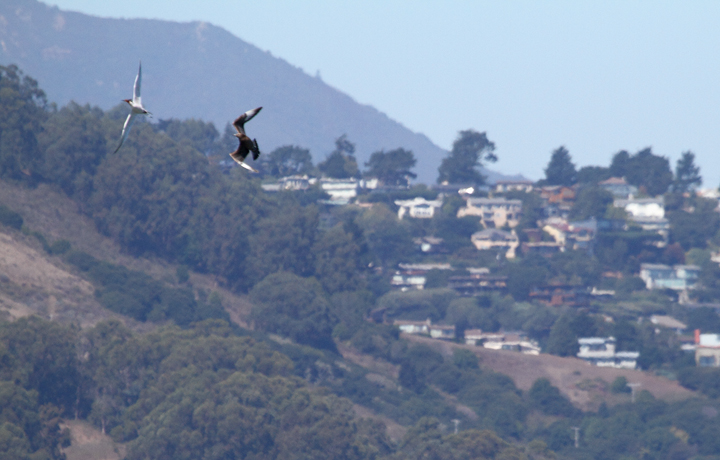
x=687, y=175
x=591, y=202
x=23, y=105
x=74, y=143
x=294, y=307
x=560, y=170
x=341, y=163
x=547, y=398
x=336, y=261
x=468, y=153
x=592, y=174
x=289, y=160
x=387, y=238
x=393, y=167
x=643, y=169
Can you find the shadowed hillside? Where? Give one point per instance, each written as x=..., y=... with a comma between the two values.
x=194, y=70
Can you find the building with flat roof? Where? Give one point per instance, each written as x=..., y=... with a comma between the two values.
x=600, y=351
x=493, y=212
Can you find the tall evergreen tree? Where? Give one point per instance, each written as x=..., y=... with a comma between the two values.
x=687, y=175
x=393, y=167
x=341, y=163
x=469, y=151
x=560, y=170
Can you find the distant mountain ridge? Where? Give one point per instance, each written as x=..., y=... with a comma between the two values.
x=195, y=70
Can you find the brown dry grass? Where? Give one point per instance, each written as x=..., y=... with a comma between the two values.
x=88, y=443
x=585, y=385
x=56, y=217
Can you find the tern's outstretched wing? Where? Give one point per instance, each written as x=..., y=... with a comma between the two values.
x=126, y=129
x=137, y=100
x=244, y=118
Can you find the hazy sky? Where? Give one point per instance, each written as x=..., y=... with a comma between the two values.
x=596, y=77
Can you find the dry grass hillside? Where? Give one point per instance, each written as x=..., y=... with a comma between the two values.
x=33, y=282
x=585, y=385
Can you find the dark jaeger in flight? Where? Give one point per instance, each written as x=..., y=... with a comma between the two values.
x=247, y=145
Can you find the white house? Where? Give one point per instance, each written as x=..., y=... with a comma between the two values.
x=677, y=277
x=493, y=212
x=600, y=351
x=619, y=187
x=502, y=186
x=413, y=327
x=341, y=191
x=643, y=208
x=496, y=239
x=442, y=332
x=413, y=276
x=510, y=341
x=418, y=207
x=707, y=349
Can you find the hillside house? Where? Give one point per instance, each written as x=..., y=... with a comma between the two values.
x=493, y=212
x=667, y=322
x=503, y=186
x=496, y=239
x=430, y=245
x=438, y=331
x=573, y=235
x=558, y=194
x=341, y=191
x=600, y=351
x=707, y=349
x=677, y=277
x=418, y=208
x=294, y=183
x=619, y=187
x=413, y=327
x=477, y=284
x=510, y=341
x=643, y=208
x=414, y=276
x=556, y=295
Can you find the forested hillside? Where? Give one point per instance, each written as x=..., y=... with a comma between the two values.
x=199, y=386
x=194, y=70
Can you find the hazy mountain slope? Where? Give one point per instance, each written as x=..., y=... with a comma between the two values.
x=194, y=70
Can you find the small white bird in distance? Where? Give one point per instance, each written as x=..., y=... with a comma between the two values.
x=247, y=145
x=136, y=108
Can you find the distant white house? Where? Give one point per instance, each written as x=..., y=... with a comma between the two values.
x=289, y=183
x=414, y=276
x=677, y=277
x=436, y=331
x=707, y=349
x=510, y=341
x=341, y=191
x=619, y=187
x=493, y=212
x=643, y=207
x=418, y=207
x=600, y=351
x=496, y=239
x=413, y=327
x=649, y=214
x=502, y=186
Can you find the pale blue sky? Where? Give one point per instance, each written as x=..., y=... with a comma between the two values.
x=596, y=77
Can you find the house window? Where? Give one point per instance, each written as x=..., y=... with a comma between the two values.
x=707, y=361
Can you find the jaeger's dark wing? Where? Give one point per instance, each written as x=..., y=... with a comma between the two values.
x=240, y=121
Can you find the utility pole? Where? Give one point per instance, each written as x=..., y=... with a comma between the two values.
x=577, y=435
x=633, y=387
